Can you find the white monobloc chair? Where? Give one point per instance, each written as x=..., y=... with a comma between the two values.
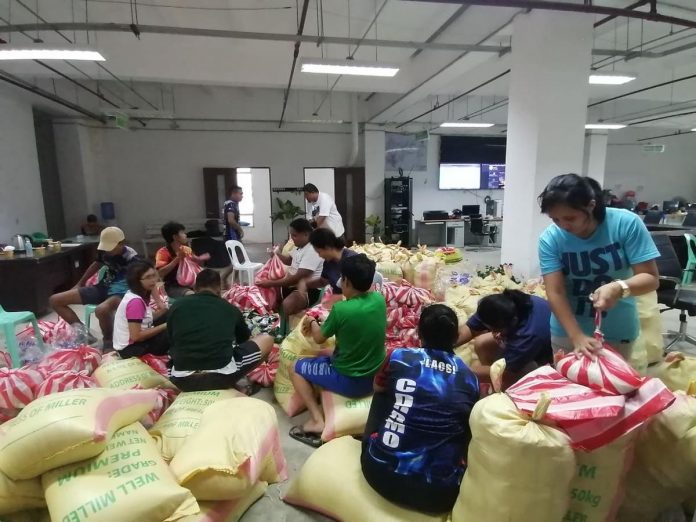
x=243, y=267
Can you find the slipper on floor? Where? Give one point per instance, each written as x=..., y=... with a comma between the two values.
x=311, y=439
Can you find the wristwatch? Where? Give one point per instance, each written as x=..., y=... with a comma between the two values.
x=626, y=290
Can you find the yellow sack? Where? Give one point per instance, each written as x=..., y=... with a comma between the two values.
x=295, y=346
x=424, y=272
x=664, y=467
x=236, y=446
x=596, y=489
x=518, y=470
x=467, y=354
x=676, y=371
x=391, y=271
x=650, y=336
x=343, y=416
x=126, y=373
x=227, y=510
x=20, y=495
x=331, y=482
x=182, y=418
x=129, y=481
x=67, y=427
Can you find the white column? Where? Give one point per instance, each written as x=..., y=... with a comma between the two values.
x=595, y=158
x=374, y=173
x=549, y=89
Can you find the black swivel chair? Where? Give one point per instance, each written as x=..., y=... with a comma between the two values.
x=670, y=293
x=653, y=217
x=478, y=228
x=690, y=220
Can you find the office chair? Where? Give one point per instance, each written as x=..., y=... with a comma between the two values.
x=653, y=217
x=690, y=219
x=670, y=292
x=483, y=230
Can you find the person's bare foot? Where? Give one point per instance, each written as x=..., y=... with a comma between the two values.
x=312, y=426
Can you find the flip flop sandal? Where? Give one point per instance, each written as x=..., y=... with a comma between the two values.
x=310, y=439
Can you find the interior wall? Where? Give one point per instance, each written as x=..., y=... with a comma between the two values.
x=261, y=187
x=21, y=201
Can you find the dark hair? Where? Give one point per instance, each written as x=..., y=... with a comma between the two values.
x=574, y=191
x=311, y=188
x=92, y=218
x=171, y=229
x=134, y=274
x=504, y=312
x=207, y=278
x=301, y=225
x=325, y=238
x=235, y=188
x=438, y=327
x=359, y=270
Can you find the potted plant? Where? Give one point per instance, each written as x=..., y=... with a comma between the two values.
x=287, y=211
x=373, y=221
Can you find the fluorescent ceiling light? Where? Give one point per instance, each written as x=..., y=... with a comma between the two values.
x=610, y=79
x=49, y=53
x=693, y=130
x=604, y=126
x=466, y=125
x=244, y=170
x=348, y=67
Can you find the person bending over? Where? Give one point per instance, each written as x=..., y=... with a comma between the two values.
x=114, y=256
x=169, y=257
x=323, y=212
x=417, y=432
x=359, y=324
x=211, y=347
x=138, y=328
x=304, y=263
x=514, y=326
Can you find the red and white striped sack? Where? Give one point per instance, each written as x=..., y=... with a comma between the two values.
x=247, y=298
x=47, y=329
x=187, y=272
x=569, y=401
x=265, y=373
x=389, y=290
x=273, y=270
x=63, y=381
x=408, y=330
x=18, y=386
x=609, y=372
x=165, y=397
x=79, y=359
x=159, y=363
x=412, y=297
x=5, y=359
x=163, y=295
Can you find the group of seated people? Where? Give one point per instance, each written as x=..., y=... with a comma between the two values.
x=417, y=432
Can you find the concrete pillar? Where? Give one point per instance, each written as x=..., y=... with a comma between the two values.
x=374, y=173
x=551, y=53
x=595, y=157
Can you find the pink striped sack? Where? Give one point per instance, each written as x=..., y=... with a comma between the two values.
x=163, y=295
x=18, y=386
x=265, y=373
x=273, y=270
x=165, y=398
x=47, y=329
x=609, y=372
x=247, y=298
x=187, y=272
x=412, y=297
x=159, y=363
x=65, y=380
x=80, y=359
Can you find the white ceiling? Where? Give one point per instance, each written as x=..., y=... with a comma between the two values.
x=434, y=75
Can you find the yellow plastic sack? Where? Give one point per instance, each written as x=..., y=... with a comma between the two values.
x=596, y=490
x=463, y=300
x=650, y=337
x=67, y=427
x=467, y=354
x=424, y=272
x=129, y=481
x=343, y=415
x=676, y=371
x=391, y=271
x=331, y=482
x=227, y=510
x=20, y=495
x=126, y=373
x=295, y=346
x=518, y=470
x=182, y=418
x=236, y=446
x=664, y=466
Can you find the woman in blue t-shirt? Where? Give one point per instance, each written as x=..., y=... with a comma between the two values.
x=417, y=432
x=593, y=258
x=513, y=326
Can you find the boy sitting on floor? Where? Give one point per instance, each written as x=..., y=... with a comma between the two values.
x=359, y=324
x=169, y=257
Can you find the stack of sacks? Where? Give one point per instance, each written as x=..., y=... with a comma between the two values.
x=677, y=371
x=331, y=482
x=404, y=306
x=295, y=346
x=343, y=415
x=236, y=446
x=273, y=270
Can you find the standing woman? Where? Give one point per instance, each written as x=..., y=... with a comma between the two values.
x=593, y=258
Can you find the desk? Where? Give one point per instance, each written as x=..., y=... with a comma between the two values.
x=452, y=232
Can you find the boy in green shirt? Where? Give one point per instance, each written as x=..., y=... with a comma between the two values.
x=359, y=324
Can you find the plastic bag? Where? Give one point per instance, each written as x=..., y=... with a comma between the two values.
x=273, y=270
x=650, y=337
x=82, y=358
x=391, y=271
x=18, y=386
x=187, y=272
x=676, y=371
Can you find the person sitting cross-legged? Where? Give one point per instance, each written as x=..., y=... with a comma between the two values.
x=211, y=345
x=170, y=256
x=359, y=324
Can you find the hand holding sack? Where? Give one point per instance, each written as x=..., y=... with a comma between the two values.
x=187, y=271
x=248, y=298
x=273, y=270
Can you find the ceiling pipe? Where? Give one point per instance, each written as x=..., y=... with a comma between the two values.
x=678, y=133
x=683, y=78
x=295, y=54
x=612, y=17
x=18, y=82
x=663, y=117
x=354, y=130
x=651, y=16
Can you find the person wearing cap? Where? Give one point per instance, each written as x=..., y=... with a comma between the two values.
x=113, y=257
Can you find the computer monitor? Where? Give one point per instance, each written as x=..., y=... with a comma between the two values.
x=669, y=207
x=470, y=210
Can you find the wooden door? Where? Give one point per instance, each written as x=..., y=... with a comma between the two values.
x=349, y=187
x=213, y=178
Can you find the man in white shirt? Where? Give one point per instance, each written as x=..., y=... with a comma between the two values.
x=304, y=263
x=323, y=210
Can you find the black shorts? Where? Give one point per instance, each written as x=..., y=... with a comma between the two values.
x=312, y=294
x=93, y=295
x=247, y=356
